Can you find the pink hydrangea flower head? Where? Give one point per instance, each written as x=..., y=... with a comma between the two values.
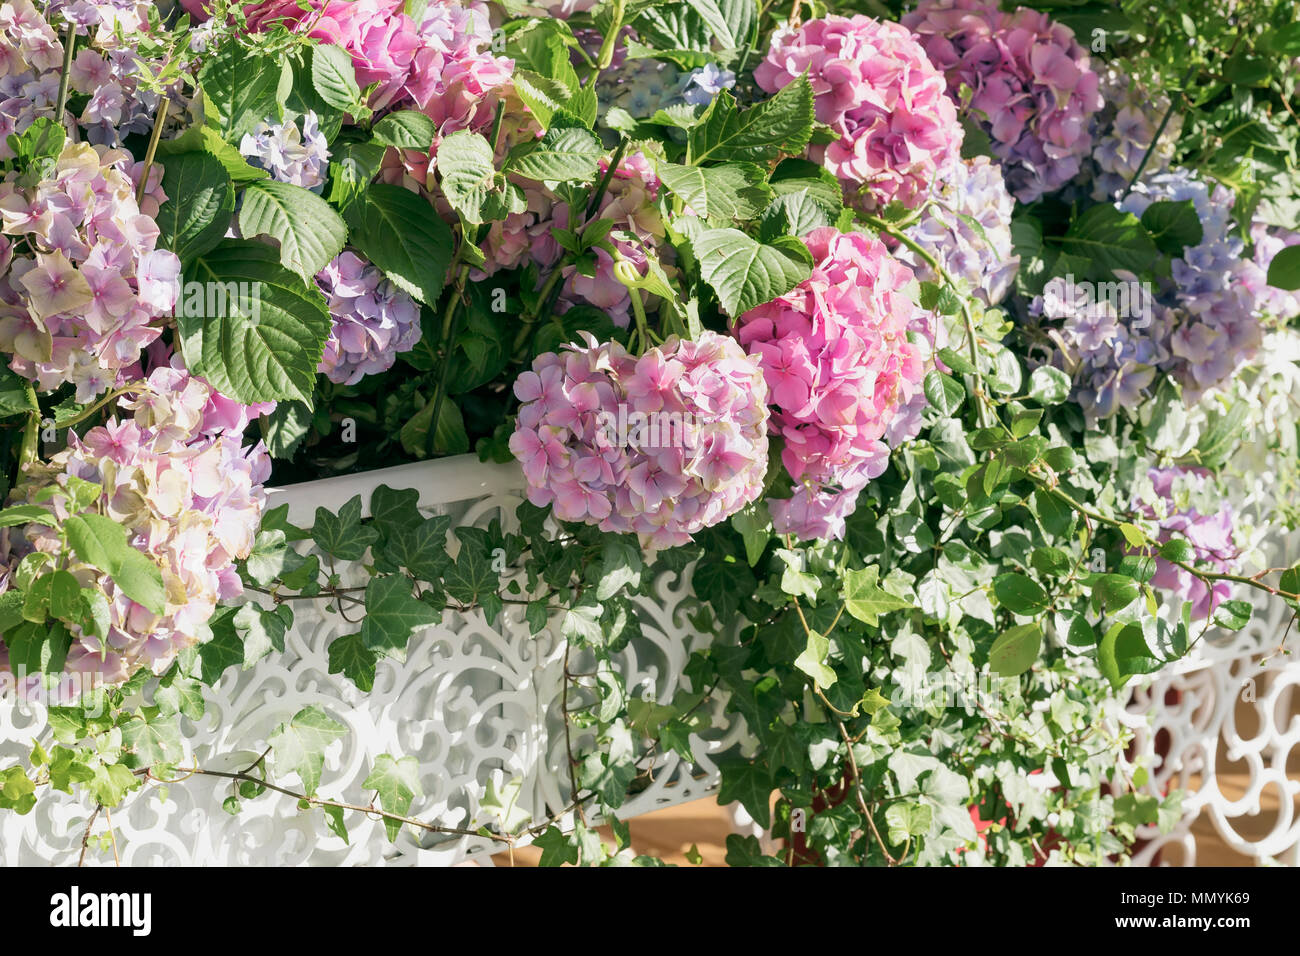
x=190, y=497
x=877, y=89
x=1034, y=88
x=839, y=367
x=661, y=446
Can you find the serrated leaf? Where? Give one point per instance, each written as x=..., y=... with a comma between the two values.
x=402, y=234
x=782, y=124
x=745, y=273
x=309, y=231
x=735, y=191
x=266, y=344
x=200, y=202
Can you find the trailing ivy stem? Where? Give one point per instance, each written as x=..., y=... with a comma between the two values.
x=1205, y=576
x=159, y=121
x=69, y=48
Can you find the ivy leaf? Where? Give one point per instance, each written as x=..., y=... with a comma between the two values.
x=334, y=820
x=153, y=737
x=782, y=124
x=224, y=650
x=309, y=231
x=342, y=535
x=620, y=566
x=751, y=784
x=745, y=273
x=101, y=542
x=398, y=783
x=349, y=656
x=1015, y=650
x=864, y=598
x=421, y=548
x=298, y=746
x=393, y=615
x=812, y=660
x=557, y=848
x=471, y=579
x=200, y=201
x=262, y=338
x=402, y=234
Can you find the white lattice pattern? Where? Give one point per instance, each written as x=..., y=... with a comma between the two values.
x=472, y=702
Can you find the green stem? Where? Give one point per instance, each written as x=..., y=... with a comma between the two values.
x=69, y=46
x=31, y=431
x=448, y=337
x=159, y=121
x=606, y=56
x=983, y=400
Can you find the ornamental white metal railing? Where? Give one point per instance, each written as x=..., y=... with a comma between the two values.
x=480, y=706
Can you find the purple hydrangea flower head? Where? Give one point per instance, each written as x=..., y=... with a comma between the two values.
x=973, y=192
x=1034, y=90
x=290, y=153
x=374, y=321
x=1210, y=533
x=1124, y=131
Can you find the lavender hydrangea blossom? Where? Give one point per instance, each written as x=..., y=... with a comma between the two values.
x=967, y=228
x=291, y=155
x=374, y=321
x=1124, y=132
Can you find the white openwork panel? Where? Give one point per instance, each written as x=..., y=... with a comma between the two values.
x=1186, y=720
x=470, y=702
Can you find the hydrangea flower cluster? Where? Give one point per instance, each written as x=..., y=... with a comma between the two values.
x=374, y=321
x=106, y=68
x=1124, y=131
x=1034, y=89
x=190, y=498
x=1269, y=241
x=290, y=154
x=91, y=295
x=1177, y=492
x=1111, y=357
x=639, y=86
x=1215, y=328
x=663, y=445
x=839, y=366
x=628, y=201
x=973, y=192
x=877, y=89
x=442, y=65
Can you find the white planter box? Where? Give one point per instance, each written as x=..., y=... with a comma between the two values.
x=470, y=701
